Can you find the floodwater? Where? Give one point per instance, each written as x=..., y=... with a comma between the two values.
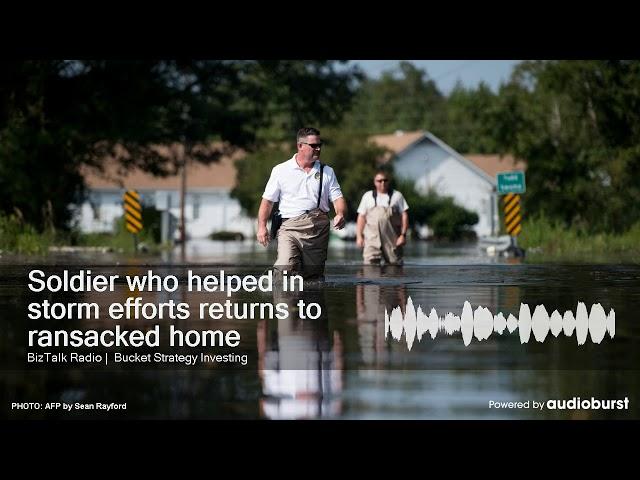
x=344, y=364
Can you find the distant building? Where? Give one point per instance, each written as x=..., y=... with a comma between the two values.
x=208, y=206
x=434, y=166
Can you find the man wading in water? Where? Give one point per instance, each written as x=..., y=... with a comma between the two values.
x=305, y=188
x=383, y=222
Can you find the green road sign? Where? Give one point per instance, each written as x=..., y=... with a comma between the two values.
x=510, y=182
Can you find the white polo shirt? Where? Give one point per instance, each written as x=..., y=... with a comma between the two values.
x=297, y=190
x=397, y=202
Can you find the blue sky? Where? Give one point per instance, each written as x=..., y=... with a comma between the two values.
x=447, y=72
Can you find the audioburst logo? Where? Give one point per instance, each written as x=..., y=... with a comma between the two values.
x=576, y=403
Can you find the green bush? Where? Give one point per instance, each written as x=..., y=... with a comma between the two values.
x=19, y=237
x=451, y=221
x=446, y=219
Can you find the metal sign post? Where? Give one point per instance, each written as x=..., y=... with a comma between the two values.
x=511, y=185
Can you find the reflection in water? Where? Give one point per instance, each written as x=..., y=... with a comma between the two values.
x=300, y=362
x=371, y=302
x=340, y=365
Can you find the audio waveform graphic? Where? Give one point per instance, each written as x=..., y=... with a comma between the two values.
x=481, y=323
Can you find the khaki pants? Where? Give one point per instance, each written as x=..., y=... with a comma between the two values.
x=303, y=243
x=380, y=235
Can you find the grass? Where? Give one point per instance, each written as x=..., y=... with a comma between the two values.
x=121, y=242
x=548, y=241
x=543, y=240
x=21, y=238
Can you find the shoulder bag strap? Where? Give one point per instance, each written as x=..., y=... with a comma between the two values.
x=320, y=191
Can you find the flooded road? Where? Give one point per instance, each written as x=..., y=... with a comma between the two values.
x=343, y=363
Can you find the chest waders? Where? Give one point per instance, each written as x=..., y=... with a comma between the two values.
x=381, y=232
x=303, y=241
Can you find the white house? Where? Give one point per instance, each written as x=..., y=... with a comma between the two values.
x=208, y=206
x=470, y=179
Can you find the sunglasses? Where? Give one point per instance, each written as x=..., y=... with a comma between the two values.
x=383, y=180
x=313, y=145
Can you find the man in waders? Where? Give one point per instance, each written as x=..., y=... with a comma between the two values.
x=383, y=222
x=304, y=187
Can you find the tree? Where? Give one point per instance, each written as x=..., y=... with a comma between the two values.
x=58, y=115
x=351, y=156
x=467, y=128
x=577, y=123
x=402, y=99
x=355, y=161
x=253, y=171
